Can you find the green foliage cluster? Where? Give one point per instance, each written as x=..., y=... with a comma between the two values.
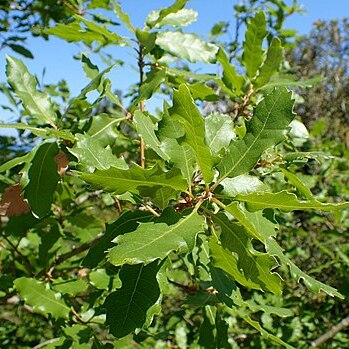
x=132, y=229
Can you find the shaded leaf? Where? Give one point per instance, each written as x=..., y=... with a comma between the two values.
x=128, y=306
x=43, y=178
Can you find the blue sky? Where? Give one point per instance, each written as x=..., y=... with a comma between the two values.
x=55, y=55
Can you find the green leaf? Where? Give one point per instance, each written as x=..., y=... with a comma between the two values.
x=286, y=201
x=202, y=92
x=219, y=132
x=152, y=21
x=42, y=132
x=124, y=17
x=85, y=31
x=127, y=307
x=258, y=225
x=43, y=178
x=231, y=79
x=271, y=63
x=37, y=104
x=42, y=299
x=146, y=128
x=155, y=240
x=120, y=181
x=8, y=165
x=181, y=18
x=185, y=110
x=163, y=196
x=226, y=261
x=252, y=56
x=150, y=86
x=92, y=154
x=256, y=266
x=72, y=287
x=243, y=184
x=187, y=46
x=266, y=129
x=289, y=81
x=21, y=50
x=126, y=223
x=103, y=129
x=181, y=156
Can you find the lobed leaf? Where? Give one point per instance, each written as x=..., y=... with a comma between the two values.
x=185, y=110
x=151, y=241
x=266, y=129
x=252, y=56
x=37, y=104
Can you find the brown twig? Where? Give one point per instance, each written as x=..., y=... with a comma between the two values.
x=75, y=251
x=20, y=254
x=335, y=329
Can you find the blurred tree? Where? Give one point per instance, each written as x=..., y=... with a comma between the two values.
x=325, y=52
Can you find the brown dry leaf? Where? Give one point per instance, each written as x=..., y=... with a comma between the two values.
x=12, y=203
x=62, y=162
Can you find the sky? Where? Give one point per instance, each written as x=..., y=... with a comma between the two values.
x=55, y=56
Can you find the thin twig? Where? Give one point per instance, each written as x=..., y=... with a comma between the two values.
x=20, y=254
x=75, y=251
x=335, y=329
x=44, y=344
x=141, y=104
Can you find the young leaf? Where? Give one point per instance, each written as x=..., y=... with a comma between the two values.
x=187, y=46
x=185, y=110
x=286, y=201
x=271, y=64
x=181, y=156
x=151, y=241
x=127, y=307
x=266, y=129
x=219, y=132
x=152, y=20
x=243, y=184
x=37, y=104
x=43, y=178
x=43, y=300
x=124, y=17
x=231, y=79
x=75, y=32
x=252, y=56
x=146, y=129
x=181, y=18
x=134, y=179
x=91, y=154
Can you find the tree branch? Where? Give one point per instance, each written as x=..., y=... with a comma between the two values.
x=335, y=329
